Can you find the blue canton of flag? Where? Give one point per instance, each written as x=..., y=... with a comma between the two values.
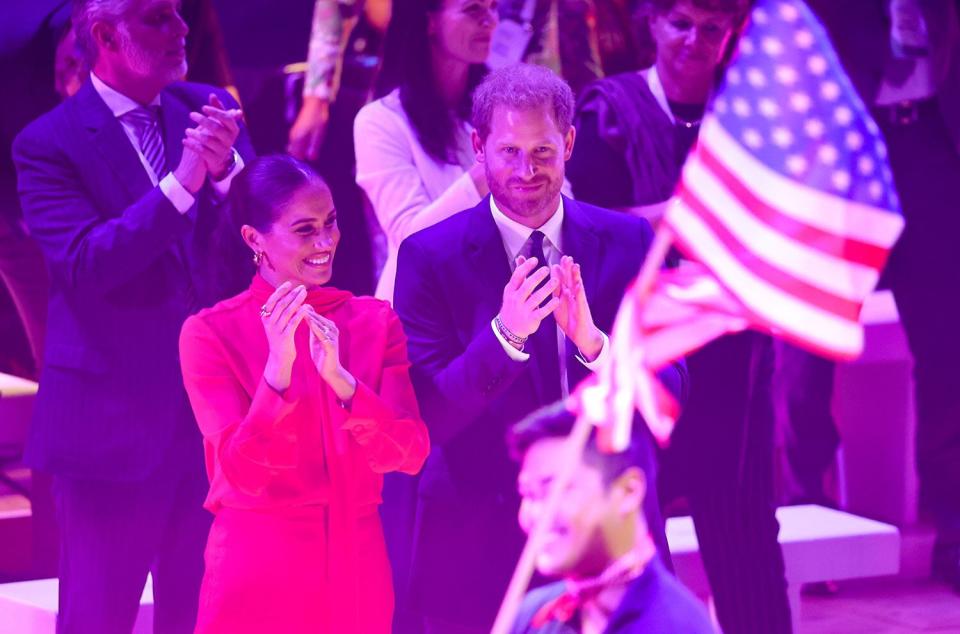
x=787, y=99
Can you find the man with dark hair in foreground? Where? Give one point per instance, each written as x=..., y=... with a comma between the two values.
x=611, y=578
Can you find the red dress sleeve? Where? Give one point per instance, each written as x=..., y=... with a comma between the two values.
x=387, y=424
x=251, y=437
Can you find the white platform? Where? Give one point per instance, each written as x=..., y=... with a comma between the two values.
x=16, y=386
x=30, y=607
x=16, y=408
x=819, y=544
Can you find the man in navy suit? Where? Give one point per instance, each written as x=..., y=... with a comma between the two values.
x=122, y=186
x=505, y=307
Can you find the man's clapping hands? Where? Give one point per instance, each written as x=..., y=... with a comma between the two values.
x=525, y=306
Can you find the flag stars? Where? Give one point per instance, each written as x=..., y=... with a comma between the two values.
x=800, y=102
x=760, y=16
x=720, y=105
x=853, y=140
x=746, y=46
x=830, y=90
x=814, y=128
x=843, y=115
x=840, y=180
x=786, y=75
x=741, y=107
x=733, y=76
x=865, y=165
x=817, y=64
x=756, y=78
x=771, y=46
x=768, y=108
x=803, y=38
x=782, y=137
x=875, y=189
x=827, y=154
x=752, y=139
x=788, y=12
x=796, y=164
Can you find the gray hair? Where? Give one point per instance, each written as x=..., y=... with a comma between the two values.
x=522, y=87
x=86, y=13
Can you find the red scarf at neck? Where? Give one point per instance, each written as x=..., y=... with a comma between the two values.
x=620, y=572
x=324, y=299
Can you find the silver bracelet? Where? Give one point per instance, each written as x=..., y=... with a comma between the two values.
x=507, y=334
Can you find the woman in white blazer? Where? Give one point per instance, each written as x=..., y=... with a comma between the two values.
x=414, y=155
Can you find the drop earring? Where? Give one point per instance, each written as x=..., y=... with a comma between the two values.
x=257, y=257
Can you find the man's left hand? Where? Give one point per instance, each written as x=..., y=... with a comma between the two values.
x=573, y=314
x=213, y=138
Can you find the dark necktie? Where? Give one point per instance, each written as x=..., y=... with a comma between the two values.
x=146, y=121
x=543, y=343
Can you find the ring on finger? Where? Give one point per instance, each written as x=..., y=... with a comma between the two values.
x=264, y=312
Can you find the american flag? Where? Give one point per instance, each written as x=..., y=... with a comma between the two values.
x=788, y=205
x=788, y=198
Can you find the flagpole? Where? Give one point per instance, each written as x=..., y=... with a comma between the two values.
x=577, y=441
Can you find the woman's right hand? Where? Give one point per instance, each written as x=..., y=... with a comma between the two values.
x=281, y=314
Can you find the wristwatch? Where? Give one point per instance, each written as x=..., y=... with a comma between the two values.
x=234, y=157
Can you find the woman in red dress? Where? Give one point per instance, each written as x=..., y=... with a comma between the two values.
x=303, y=397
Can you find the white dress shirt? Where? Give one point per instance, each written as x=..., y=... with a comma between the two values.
x=515, y=236
x=182, y=200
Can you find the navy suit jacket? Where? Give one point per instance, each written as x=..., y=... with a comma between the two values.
x=122, y=261
x=450, y=280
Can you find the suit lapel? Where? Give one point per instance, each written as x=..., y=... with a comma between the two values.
x=486, y=258
x=580, y=241
x=111, y=143
x=489, y=265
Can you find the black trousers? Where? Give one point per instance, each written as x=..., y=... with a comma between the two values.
x=803, y=388
x=721, y=460
x=113, y=533
x=924, y=275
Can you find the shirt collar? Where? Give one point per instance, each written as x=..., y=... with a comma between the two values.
x=515, y=235
x=119, y=103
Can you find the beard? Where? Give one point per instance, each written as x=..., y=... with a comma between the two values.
x=144, y=63
x=530, y=206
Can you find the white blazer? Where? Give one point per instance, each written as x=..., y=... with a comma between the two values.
x=408, y=189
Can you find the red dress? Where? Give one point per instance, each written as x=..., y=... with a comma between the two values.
x=295, y=479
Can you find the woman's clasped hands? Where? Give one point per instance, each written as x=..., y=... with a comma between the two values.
x=281, y=316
